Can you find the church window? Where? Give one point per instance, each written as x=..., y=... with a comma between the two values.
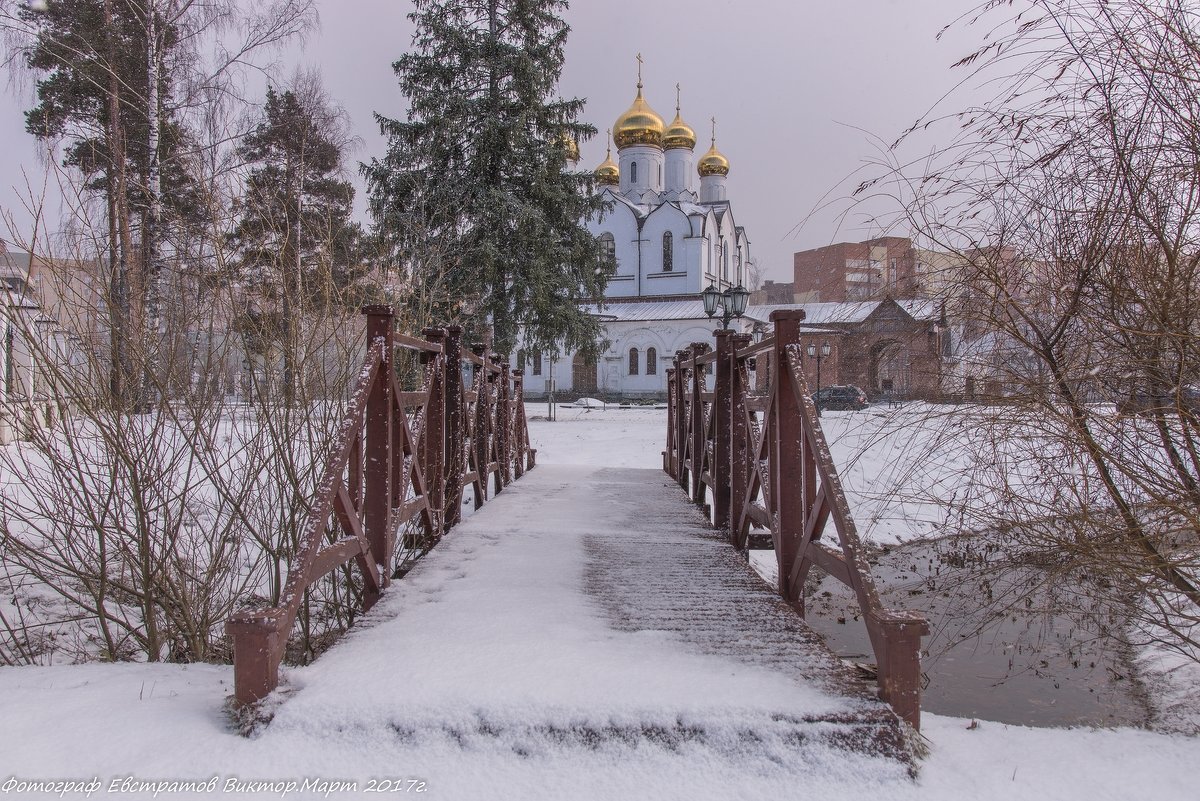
x=633, y=361
x=520, y=360
x=608, y=250
x=633, y=172
x=537, y=363
x=668, y=246
x=725, y=264
x=651, y=361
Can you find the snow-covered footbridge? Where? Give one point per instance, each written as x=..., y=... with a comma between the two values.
x=588, y=608
x=592, y=609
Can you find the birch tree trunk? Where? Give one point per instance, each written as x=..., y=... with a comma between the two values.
x=120, y=310
x=150, y=234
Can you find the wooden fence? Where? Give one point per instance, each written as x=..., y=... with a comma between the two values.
x=758, y=450
x=398, y=457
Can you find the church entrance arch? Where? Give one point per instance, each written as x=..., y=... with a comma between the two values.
x=583, y=375
x=890, y=369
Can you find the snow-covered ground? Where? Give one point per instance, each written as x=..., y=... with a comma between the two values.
x=121, y=725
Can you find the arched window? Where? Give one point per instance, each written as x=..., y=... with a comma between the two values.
x=651, y=361
x=725, y=263
x=633, y=361
x=668, y=247
x=537, y=363
x=520, y=360
x=608, y=251
x=633, y=172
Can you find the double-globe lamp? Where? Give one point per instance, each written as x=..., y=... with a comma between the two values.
x=732, y=302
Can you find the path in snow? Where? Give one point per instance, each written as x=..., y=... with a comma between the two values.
x=590, y=609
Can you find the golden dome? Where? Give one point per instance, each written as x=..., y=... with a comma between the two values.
x=608, y=173
x=640, y=125
x=569, y=146
x=712, y=162
x=679, y=133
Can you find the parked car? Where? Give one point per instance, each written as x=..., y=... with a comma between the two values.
x=1148, y=403
x=841, y=398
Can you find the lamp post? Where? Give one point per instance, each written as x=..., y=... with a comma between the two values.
x=818, y=354
x=732, y=302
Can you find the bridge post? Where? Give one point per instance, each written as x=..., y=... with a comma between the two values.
x=722, y=412
x=520, y=446
x=377, y=497
x=481, y=426
x=503, y=428
x=900, y=667
x=434, y=434
x=699, y=432
x=669, y=453
x=257, y=647
x=682, y=374
x=789, y=479
x=739, y=435
x=453, y=467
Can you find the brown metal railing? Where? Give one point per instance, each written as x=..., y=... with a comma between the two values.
x=760, y=453
x=399, y=457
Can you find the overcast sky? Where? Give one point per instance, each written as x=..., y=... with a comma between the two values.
x=798, y=88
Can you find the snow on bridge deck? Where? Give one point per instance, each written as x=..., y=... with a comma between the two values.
x=588, y=613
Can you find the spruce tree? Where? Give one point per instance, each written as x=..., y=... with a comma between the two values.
x=475, y=195
x=296, y=246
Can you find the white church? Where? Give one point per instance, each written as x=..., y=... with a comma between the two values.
x=670, y=229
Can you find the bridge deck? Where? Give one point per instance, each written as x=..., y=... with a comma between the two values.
x=592, y=610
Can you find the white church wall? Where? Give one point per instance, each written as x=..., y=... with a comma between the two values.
x=621, y=222
x=743, y=245
x=641, y=170
x=695, y=247
x=658, y=281
x=643, y=336
x=712, y=188
x=726, y=251
x=559, y=369
x=613, y=376
x=680, y=171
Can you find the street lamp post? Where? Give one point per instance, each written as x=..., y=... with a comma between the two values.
x=818, y=354
x=732, y=302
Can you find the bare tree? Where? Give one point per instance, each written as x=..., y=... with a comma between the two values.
x=1071, y=204
x=134, y=535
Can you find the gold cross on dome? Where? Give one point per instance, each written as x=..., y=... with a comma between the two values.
x=714, y=124
x=639, y=61
x=676, y=98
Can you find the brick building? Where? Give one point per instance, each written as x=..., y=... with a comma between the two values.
x=888, y=266
x=773, y=293
x=889, y=348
